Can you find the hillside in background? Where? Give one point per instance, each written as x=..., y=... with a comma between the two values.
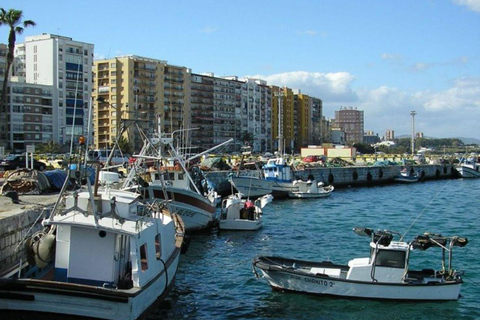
x=464, y=140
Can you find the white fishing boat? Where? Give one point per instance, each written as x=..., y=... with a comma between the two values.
x=168, y=177
x=251, y=184
x=407, y=176
x=103, y=253
x=385, y=274
x=311, y=189
x=242, y=214
x=249, y=179
x=281, y=174
x=468, y=168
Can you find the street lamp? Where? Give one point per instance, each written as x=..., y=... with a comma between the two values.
x=413, y=113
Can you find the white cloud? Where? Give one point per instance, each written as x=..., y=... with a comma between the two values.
x=330, y=86
x=473, y=5
x=391, y=56
x=208, y=29
x=453, y=112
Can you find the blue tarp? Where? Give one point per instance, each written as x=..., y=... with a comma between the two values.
x=56, y=177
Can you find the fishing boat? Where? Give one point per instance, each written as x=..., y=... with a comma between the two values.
x=310, y=189
x=104, y=253
x=281, y=175
x=242, y=214
x=385, y=274
x=407, y=176
x=468, y=168
x=249, y=179
x=167, y=178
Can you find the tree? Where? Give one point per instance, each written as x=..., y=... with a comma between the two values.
x=49, y=147
x=13, y=19
x=247, y=137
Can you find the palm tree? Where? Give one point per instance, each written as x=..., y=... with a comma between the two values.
x=13, y=19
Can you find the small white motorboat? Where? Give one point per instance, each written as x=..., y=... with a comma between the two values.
x=310, y=189
x=385, y=274
x=242, y=214
x=407, y=176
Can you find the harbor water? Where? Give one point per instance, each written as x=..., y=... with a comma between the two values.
x=215, y=278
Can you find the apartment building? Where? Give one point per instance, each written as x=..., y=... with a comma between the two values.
x=30, y=114
x=389, y=135
x=351, y=121
x=66, y=65
x=3, y=113
x=133, y=93
x=256, y=113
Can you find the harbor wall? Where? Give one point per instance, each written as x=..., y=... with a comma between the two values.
x=353, y=175
x=13, y=229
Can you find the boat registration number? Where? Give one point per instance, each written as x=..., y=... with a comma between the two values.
x=320, y=282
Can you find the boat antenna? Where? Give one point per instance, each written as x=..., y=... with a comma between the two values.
x=424, y=209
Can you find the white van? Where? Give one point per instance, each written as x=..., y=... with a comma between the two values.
x=101, y=155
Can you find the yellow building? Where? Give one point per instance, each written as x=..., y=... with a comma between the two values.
x=133, y=91
x=283, y=108
x=304, y=116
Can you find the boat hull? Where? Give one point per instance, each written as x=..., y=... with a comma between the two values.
x=306, y=195
x=468, y=172
x=197, y=212
x=291, y=279
x=240, y=224
x=405, y=179
x=252, y=186
x=59, y=298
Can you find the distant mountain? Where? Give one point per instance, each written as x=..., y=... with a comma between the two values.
x=469, y=140
x=464, y=140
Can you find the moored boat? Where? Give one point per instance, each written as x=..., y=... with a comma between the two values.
x=103, y=253
x=281, y=175
x=407, y=176
x=385, y=274
x=468, y=168
x=242, y=214
x=310, y=189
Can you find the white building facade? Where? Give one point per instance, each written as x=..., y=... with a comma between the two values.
x=66, y=65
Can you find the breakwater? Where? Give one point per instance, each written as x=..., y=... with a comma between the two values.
x=353, y=175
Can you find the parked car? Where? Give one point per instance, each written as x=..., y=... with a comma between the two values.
x=15, y=161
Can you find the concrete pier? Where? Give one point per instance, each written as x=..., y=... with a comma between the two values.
x=354, y=175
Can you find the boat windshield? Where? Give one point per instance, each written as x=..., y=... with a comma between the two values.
x=390, y=258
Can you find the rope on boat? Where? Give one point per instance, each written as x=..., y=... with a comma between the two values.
x=424, y=209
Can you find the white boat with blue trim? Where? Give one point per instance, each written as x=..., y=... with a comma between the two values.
x=385, y=274
x=282, y=175
x=104, y=253
x=468, y=168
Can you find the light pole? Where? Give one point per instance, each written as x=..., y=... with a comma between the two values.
x=280, y=123
x=413, y=113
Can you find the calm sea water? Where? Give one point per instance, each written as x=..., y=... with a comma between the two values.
x=215, y=279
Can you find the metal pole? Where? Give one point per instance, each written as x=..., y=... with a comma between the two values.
x=413, y=113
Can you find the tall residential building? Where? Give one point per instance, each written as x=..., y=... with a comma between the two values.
x=283, y=121
x=315, y=133
x=133, y=91
x=389, y=135
x=305, y=107
x=256, y=113
x=351, y=121
x=66, y=65
x=31, y=114
x=3, y=113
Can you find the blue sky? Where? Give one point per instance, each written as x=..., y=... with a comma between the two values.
x=383, y=57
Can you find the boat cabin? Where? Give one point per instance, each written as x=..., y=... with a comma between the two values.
x=385, y=264
x=277, y=169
